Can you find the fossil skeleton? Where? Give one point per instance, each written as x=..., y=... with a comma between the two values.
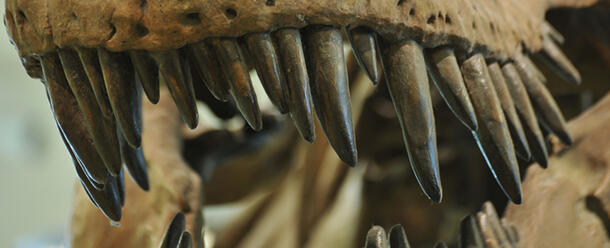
x=97, y=58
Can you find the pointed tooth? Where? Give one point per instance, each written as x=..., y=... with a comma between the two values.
x=469, y=234
x=365, y=47
x=134, y=161
x=552, y=32
x=91, y=66
x=210, y=70
x=85, y=176
x=70, y=120
x=330, y=90
x=543, y=102
x=100, y=127
x=120, y=182
x=440, y=245
x=496, y=226
x=186, y=241
x=526, y=114
x=514, y=124
x=492, y=136
x=529, y=65
x=174, y=231
x=297, y=81
x=262, y=52
x=445, y=73
x=489, y=236
x=398, y=237
x=376, y=238
x=122, y=93
x=106, y=200
x=408, y=86
x=559, y=62
x=147, y=73
x=233, y=64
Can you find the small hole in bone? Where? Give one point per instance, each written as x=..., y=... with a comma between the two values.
x=230, y=13
x=431, y=19
x=474, y=25
x=448, y=19
x=112, y=31
x=21, y=17
x=141, y=30
x=412, y=12
x=440, y=15
x=400, y=2
x=270, y=3
x=491, y=25
x=74, y=17
x=191, y=19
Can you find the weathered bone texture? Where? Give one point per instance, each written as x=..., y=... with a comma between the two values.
x=570, y=199
x=174, y=188
x=38, y=26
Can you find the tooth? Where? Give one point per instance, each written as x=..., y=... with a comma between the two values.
x=492, y=136
x=330, y=90
x=470, y=236
x=543, y=102
x=297, y=81
x=490, y=237
x=526, y=113
x=100, y=128
x=408, y=86
x=122, y=93
x=91, y=66
x=76, y=160
x=233, y=64
x=530, y=66
x=186, y=241
x=494, y=223
x=174, y=231
x=69, y=119
x=398, y=237
x=365, y=47
x=559, y=62
x=511, y=231
x=440, y=245
x=376, y=238
x=134, y=161
x=209, y=70
x=120, y=183
x=147, y=73
x=514, y=124
x=262, y=52
x=107, y=200
x=171, y=72
x=552, y=32
x=445, y=73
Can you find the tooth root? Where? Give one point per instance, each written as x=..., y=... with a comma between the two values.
x=134, y=161
x=297, y=81
x=492, y=136
x=100, y=128
x=398, y=237
x=408, y=86
x=559, y=62
x=446, y=75
x=526, y=114
x=262, y=51
x=233, y=64
x=543, y=102
x=70, y=119
x=174, y=231
x=376, y=238
x=552, y=32
x=147, y=73
x=122, y=93
x=91, y=66
x=330, y=90
x=171, y=72
x=470, y=235
x=186, y=241
x=210, y=70
x=496, y=226
x=514, y=124
x=365, y=47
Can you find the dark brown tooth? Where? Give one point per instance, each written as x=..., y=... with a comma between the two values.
x=543, y=101
x=512, y=118
x=107, y=200
x=266, y=61
x=123, y=94
x=171, y=72
x=365, y=47
x=376, y=238
x=470, y=235
x=552, y=32
x=398, y=237
x=210, y=70
x=120, y=182
x=100, y=127
x=174, y=231
x=407, y=81
x=134, y=161
x=330, y=90
x=233, y=64
x=76, y=160
x=186, y=241
x=297, y=81
x=445, y=73
x=530, y=66
x=147, y=73
x=490, y=238
x=70, y=120
x=91, y=66
x=526, y=114
x=492, y=136
x=558, y=61
x=496, y=226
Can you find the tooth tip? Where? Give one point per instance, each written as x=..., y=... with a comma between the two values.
x=350, y=158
